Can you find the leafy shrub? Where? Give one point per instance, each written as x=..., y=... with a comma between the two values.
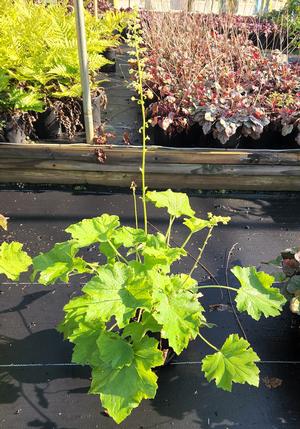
x=42, y=59
x=288, y=276
x=201, y=70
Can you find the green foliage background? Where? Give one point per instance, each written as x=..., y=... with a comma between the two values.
x=38, y=51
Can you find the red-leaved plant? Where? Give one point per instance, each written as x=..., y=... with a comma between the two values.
x=206, y=70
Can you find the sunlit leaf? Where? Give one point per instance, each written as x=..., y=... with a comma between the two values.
x=256, y=295
x=179, y=312
x=234, y=363
x=58, y=263
x=98, y=229
x=117, y=293
x=196, y=224
x=176, y=203
x=13, y=260
x=121, y=390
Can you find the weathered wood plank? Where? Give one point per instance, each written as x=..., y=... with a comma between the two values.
x=166, y=167
x=127, y=154
x=152, y=168
x=157, y=180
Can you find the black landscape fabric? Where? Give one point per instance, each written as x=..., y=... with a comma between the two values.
x=55, y=397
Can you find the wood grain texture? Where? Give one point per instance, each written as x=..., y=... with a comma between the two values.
x=115, y=154
x=154, y=180
x=166, y=167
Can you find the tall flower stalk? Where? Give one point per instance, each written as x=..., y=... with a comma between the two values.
x=135, y=41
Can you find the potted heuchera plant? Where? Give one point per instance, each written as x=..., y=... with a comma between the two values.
x=135, y=306
x=288, y=276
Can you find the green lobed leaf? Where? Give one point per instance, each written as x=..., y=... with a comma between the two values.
x=256, y=295
x=58, y=263
x=176, y=203
x=82, y=309
x=196, y=224
x=179, y=312
x=129, y=237
x=85, y=338
x=184, y=281
x=234, y=363
x=215, y=220
x=107, y=250
x=124, y=236
x=137, y=330
x=118, y=292
x=122, y=389
x=13, y=260
x=293, y=285
x=114, y=350
x=156, y=252
x=98, y=229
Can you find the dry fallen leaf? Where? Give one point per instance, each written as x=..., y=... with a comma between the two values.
x=219, y=307
x=126, y=138
x=3, y=222
x=272, y=382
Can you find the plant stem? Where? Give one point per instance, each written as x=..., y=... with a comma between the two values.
x=168, y=233
x=117, y=252
x=140, y=312
x=201, y=251
x=143, y=130
x=133, y=187
x=208, y=343
x=112, y=327
x=218, y=286
x=187, y=240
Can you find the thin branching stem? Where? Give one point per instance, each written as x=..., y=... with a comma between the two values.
x=187, y=240
x=143, y=131
x=218, y=287
x=117, y=252
x=209, y=234
x=133, y=188
x=169, y=230
x=208, y=343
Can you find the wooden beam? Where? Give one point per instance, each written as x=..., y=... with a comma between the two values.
x=155, y=154
x=155, y=180
x=166, y=167
x=187, y=170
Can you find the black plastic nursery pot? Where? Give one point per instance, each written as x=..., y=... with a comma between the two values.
x=194, y=137
x=49, y=124
x=13, y=128
x=109, y=54
x=271, y=41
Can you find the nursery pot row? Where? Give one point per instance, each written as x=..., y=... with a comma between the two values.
x=45, y=125
x=194, y=137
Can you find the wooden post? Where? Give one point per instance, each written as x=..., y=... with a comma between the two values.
x=84, y=71
x=96, y=8
x=190, y=5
